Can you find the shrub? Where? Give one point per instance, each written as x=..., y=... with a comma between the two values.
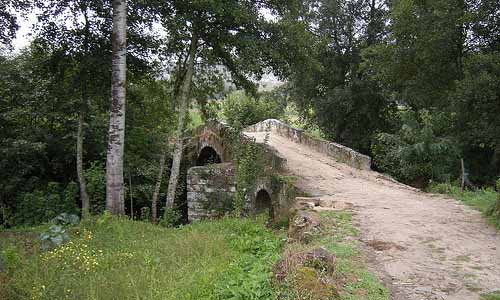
x=241, y=110
x=96, y=186
x=171, y=218
x=419, y=151
x=57, y=234
x=40, y=206
x=494, y=210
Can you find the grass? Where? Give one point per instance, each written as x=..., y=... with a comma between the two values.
x=482, y=200
x=351, y=276
x=491, y=296
x=111, y=258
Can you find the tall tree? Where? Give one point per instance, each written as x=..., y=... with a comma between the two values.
x=331, y=87
x=8, y=19
x=214, y=33
x=183, y=106
x=115, y=193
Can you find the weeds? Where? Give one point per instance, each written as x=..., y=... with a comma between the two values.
x=113, y=258
x=350, y=278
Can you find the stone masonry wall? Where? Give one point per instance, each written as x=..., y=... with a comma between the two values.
x=210, y=190
x=339, y=152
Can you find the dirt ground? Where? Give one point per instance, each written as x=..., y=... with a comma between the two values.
x=422, y=246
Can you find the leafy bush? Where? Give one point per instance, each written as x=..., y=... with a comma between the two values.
x=171, y=218
x=494, y=210
x=241, y=110
x=419, y=151
x=96, y=186
x=57, y=234
x=40, y=206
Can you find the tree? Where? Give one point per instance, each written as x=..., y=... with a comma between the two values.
x=8, y=19
x=210, y=33
x=332, y=88
x=475, y=107
x=421, y=57
x=115, y=194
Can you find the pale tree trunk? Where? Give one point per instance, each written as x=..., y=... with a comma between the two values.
x=84, y=197
x=183, y=99
x=85, y=105
x=154, y=200
x=115, y=199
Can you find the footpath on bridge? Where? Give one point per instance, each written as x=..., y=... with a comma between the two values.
x=422, y=246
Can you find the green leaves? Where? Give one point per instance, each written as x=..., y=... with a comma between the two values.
x=420, y=151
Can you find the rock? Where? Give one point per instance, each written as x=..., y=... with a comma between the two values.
x=303, y=225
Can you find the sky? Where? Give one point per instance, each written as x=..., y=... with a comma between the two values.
x=27, y=21
x=25, y=25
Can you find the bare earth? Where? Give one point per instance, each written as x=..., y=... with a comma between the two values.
x=422, y=246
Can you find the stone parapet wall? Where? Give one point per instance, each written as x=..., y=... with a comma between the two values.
x=339, y=152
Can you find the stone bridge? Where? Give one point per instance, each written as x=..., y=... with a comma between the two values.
x=211, y=181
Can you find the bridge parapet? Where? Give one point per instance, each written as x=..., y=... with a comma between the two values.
x=338, y=152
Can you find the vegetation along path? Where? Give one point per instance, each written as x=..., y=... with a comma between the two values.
x=423, y=246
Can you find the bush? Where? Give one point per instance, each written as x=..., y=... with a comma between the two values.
x=419, y=151
x=96, y=186
x=171, y=218
x=494, y=210
x=40, y=206
x=241, y=110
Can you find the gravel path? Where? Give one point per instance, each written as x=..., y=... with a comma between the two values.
x=422, y=246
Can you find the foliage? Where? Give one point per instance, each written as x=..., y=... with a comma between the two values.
x=41, y=206
x=57, y=234
x=9, y=18
x=249, y=166
x=419, y=151
x=240, y=110
x=119, y=258
x=95, y=175
x=339, y=237
x=171, y=218
x=330, y=87
x=494, y=208
x=491, y=296
x=476, y=104
x=54, y=237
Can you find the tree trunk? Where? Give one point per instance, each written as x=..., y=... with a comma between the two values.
x=115, y=202
x=184, y=98
x=154, y=201
x=84, y=197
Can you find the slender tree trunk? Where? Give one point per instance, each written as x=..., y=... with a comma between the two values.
x=115, y=202
x=183, y=99
x=84, y=197
x=131, y=196
x=154, y=200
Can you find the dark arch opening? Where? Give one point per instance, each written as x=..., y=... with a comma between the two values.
x=208, y=156
x=263, y=203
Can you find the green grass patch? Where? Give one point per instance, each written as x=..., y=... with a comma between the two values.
x=491, y=296
x=482, y=200
x=111, y=258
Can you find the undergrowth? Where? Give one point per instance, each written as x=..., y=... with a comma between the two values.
x=352, y=280
x=110, y=258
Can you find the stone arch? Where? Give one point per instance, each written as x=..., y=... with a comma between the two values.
x=208, y=155
x=263, y=202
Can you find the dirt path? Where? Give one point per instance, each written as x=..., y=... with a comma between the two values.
x=422, y=246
